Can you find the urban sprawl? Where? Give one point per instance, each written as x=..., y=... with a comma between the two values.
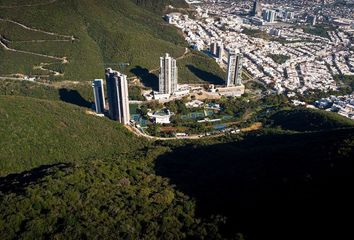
x=290, y=47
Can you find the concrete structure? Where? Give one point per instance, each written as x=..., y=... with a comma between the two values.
x=98, y=94
x=257, y=8
x=234, y=69
x=168, y=75
x=161, y=117
x=235, y=91
x=220, y=50
x=217, y=49
x=161, y=96
x=269, y=15
x=213, y=48
x=117, y=92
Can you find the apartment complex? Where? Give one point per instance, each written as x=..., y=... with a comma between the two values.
x=117, y=93
x=168, y=75
x=98, y=94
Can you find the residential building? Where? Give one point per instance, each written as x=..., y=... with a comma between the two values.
x=161, y=117
x=168, y=75
x=98, y=94
x=117, y=92
x=257, y=8
x=234, y=69
x=213, y=48
x=312, y=20
x=220, y=50
x=269, y=15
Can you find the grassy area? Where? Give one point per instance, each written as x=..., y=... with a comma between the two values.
x=257, y=33
x=348, y=80
x=199, y=68
x=319, y=30
x=279, y=58
x=36, y=132
x=78, y=94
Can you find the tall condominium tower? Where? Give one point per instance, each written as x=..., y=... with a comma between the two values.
x=257, y=8
x=272, y=15
x=168, y=75
x=117, y=92
x=213, y=48
x=220, y=50
x=269, y=15
x=234, y=69
x=98, y=93
x=217, y=49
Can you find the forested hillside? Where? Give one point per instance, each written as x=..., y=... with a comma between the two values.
x=76, y=39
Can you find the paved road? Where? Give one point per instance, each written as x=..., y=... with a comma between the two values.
x=191, y=137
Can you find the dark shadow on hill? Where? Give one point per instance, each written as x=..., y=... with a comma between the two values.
x=147, y=78
x=206, y=76
x=73, y=97
x=16, y=183
x=308, y=120
x=270, y=187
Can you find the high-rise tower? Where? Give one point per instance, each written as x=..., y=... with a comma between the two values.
x=220, y=50
x=117, y=93
x=213, y=48
x=257, y=8
x=168, y=75
x=98, y=93
x=234, y=69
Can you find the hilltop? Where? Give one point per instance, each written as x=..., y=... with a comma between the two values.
x=76, y=39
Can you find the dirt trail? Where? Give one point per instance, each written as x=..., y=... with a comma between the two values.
x=30, y=5
x=63, y=60
x=37, y=30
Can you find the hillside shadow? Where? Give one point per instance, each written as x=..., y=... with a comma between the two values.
x=73, y=97
x=265, y=186
x=16, y=183
x=147, y=78
x=206, y=76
